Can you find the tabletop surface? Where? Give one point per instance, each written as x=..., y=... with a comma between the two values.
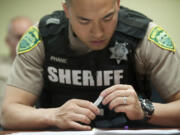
x=4, y=132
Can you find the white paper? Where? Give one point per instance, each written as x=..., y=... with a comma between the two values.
x=105, y=132
x=98, y=101
x=56, y=133
x=137, y=132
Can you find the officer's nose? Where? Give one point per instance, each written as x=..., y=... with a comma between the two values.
x=97, y=31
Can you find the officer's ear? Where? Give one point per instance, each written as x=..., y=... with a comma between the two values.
x=66, y=10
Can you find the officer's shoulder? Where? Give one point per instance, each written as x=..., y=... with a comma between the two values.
x=159, y=37
x=56, y=17
x=132, y=23
x=29, y=40
x=52, y=24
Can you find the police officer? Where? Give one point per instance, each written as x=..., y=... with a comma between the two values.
x=100, y=50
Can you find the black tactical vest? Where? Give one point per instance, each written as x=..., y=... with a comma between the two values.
x=69, y=75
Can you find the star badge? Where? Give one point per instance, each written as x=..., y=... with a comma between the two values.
x=119, y=52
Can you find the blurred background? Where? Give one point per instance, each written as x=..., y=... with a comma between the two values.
x=166, y=13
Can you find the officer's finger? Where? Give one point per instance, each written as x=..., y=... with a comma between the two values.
x=120, y=101
x=122, y=108
x=81, y=118
x=85, y=112
x=88, y=105
x=120, y=93
x=113, y=88
x=78, y=126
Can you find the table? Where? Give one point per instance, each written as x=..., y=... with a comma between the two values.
x=4, y=132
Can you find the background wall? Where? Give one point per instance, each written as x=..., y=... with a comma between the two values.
x=163, y=12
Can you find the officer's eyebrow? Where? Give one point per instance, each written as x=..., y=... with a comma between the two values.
x=83, y=18
x=112, y=12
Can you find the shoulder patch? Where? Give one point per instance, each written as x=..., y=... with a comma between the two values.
x=160, y=37
x=29, y=40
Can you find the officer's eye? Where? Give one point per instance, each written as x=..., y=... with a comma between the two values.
x=108, y=18
x=83, y=20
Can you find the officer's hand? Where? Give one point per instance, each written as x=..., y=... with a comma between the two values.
x=123, y=98
x=75, y=114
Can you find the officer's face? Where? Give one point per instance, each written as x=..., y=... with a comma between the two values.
x=93, y=21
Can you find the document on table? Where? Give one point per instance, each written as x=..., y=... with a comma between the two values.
x=56, y=133
x=138, y=132
x=105, y=132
